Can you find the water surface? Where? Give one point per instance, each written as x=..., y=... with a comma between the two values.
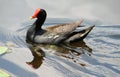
x=103, y=43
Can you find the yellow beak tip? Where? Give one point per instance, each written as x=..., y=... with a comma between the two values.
x=31, y=17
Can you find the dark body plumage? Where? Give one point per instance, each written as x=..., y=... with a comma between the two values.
x=62, y=33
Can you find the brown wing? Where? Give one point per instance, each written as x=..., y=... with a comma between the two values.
x=64, y=28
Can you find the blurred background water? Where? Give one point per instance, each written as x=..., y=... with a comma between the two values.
x=104, y=39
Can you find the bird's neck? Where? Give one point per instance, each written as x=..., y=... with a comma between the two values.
x=38, y=24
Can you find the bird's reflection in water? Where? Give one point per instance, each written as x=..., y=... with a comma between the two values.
x=38, y=52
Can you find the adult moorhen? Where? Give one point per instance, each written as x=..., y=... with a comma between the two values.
x=58, y=34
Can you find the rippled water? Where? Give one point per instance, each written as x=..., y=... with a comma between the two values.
x=103, y=45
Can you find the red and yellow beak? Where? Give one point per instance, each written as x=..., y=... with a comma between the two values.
x=35, y=13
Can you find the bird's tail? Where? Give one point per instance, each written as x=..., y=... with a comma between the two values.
x=79, y=35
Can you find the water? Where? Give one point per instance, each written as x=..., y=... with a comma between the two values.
x=100, y=58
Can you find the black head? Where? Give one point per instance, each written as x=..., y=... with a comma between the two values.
x=42, y=14
x=39, y=13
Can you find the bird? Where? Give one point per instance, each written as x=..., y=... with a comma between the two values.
x=63, y=35
x=58, y=34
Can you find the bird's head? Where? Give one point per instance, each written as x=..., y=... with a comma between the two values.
x=39, y=13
